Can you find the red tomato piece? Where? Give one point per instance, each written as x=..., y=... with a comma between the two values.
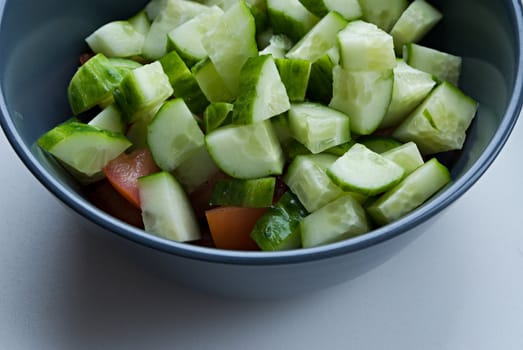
x=231, y=226
x=123, y=173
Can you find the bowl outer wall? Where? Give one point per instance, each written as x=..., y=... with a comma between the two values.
x=61, y=188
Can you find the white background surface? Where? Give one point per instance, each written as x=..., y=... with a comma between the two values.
x=458, y=286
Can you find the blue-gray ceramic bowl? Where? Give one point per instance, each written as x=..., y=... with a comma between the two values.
x=39, y=45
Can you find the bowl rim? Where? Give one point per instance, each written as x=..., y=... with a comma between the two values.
x=401, y=226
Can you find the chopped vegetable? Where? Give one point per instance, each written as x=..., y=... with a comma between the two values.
x=272, y=124
x=123, y=173
x=231, y=226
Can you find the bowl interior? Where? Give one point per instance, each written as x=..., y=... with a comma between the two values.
x=40, y=43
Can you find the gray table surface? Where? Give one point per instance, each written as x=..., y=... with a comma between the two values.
x=458, y=286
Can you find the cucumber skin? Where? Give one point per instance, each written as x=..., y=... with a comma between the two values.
x=295, y=75
x=129, y=96
x=210, y=82
x=246, y=102
x=255, y=193
x=183, y=82
x=216, y=115
x=51, y=142
x=92, y=83
x=278, y=228
x=283, y=23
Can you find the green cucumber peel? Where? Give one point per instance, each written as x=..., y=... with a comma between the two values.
x=262, y=94
x=252, y=193
x=278, y=228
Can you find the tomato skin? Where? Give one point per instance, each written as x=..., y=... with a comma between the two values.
x=123, y=173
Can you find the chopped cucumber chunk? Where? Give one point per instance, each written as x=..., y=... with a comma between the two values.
x=85, y=149
x=318, y=127
x=340, y=219
x=413, y=191
x=365, y=47
x=383, y=13
x=211, y=83
x=196, y=169
x=116, y=39
x=320, y=39
x=255, y=149
x=142, y=92
x=364, y=171
x=363, y=95
x=187, y=37
x=406, y=156
x=166, y=211
x=411, y=87
x=92, y=83
x=140, y=22
x=172, y=13
x=231, y=42
x=278, y=228
x=349, y=9
x=183, y=82
x=253, y=193
x=173, y=135
x=444, y=66
x=290, y=17
x=262, y=94
x=109, y=119
x=440, y=123
x=307, y=179
x=295, y=75
x=216, y=115
x=416, y=21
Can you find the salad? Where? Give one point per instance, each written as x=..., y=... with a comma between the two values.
x=263, y=124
